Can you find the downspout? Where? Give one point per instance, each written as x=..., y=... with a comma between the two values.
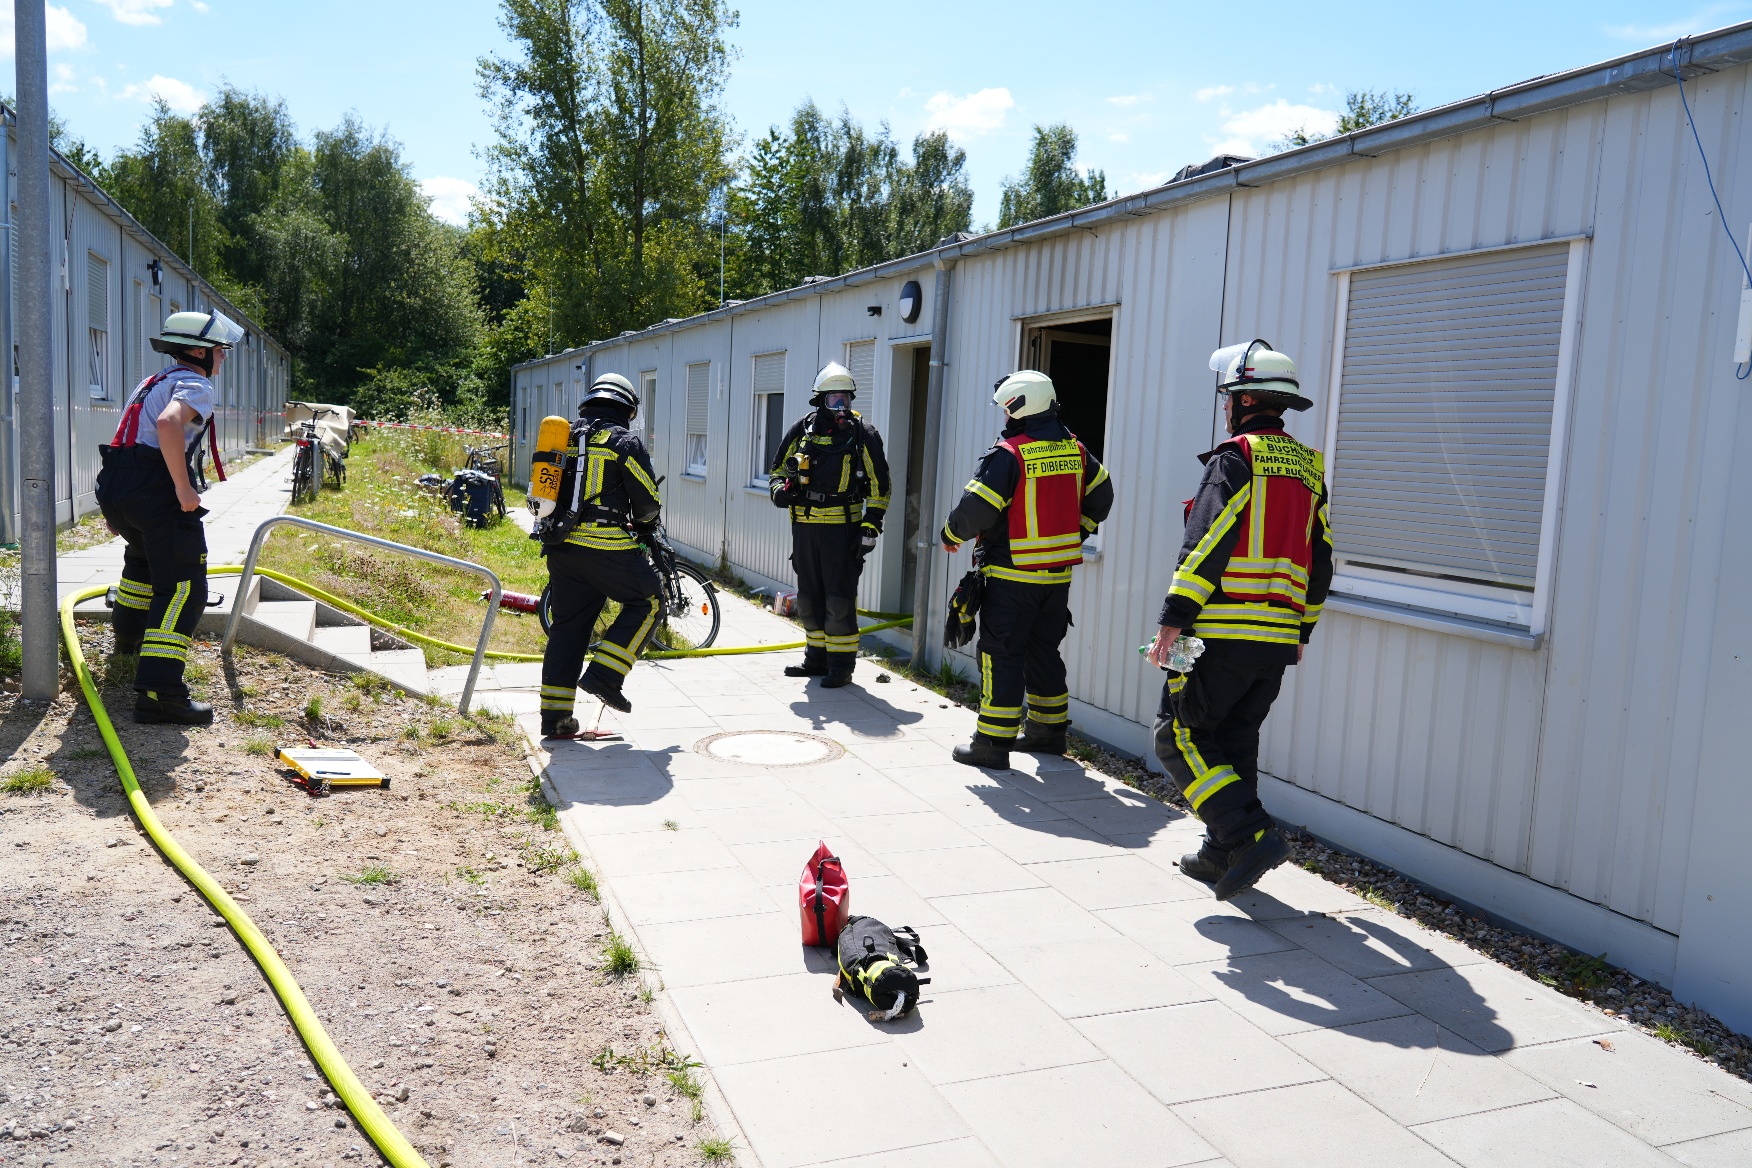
x=927, y=536
x=8, y=384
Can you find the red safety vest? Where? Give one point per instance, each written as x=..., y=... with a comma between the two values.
x=128, y=429
x=1265, y=582
x=1046, y=512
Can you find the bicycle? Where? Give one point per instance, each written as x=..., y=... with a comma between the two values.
x=690, y=614
x=310, y=458
x=486, y=460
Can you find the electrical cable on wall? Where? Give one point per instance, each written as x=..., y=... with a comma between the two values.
x=1710, y=179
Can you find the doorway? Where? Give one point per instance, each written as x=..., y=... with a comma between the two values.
x=915, y=472
x=1075, y=354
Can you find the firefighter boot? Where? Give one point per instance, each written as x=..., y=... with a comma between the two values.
x=1250, y=861
x=150, y=708
x=814, y=665
x=984, y=751
x=1207, y=864
x=609, y=695
x=559, y=726
x=1038, y=739
x=837, y=677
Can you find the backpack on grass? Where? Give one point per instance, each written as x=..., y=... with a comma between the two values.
x=875, y=965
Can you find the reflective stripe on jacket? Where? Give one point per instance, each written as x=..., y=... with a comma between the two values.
x=848, y=472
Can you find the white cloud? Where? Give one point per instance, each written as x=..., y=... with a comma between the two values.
x=1126, y=99
x=198, y=6
x=65, y=32
x=178, y=95
x=1118, y=136
x=1655, y=34
x=1213, y=91
x=1250, y=131
x=972, y=115
x=136, y=11
x=450, y=197
x=64, y=78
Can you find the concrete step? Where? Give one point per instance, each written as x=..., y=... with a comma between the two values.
x=343, y=640
x=295, y=618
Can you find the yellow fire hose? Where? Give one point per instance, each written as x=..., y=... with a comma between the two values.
x=372, y=1121
x=391, y=1143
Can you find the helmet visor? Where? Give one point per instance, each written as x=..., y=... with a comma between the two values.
x=221, y=330
x=836, y=399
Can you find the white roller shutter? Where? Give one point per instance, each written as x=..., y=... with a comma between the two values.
x=769, y=373
x=699, y=381
x=1444, y=414
x=861, y=363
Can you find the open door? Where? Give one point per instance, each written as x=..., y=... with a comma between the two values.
x=1076, y=355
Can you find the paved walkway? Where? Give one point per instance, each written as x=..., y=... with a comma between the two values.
x=1089, y=1005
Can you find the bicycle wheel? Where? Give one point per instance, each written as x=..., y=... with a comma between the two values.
x=337, y=470
x=302, y=485
x=694, y=615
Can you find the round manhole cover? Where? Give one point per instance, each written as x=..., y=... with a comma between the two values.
x=770, y=748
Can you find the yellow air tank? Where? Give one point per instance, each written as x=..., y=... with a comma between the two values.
x=547, y=465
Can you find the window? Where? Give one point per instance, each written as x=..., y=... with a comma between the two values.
x=648, y=405
x=97, y=321
x=136, y=338
x=1075, y=354
x=1442, y=432
x=769, y=416
x=699, y=378
x=861, y=364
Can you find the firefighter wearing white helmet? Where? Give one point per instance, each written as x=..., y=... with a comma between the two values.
x=830, y=473
x=1038, y=494
x=605, y=515
x=147, y=494
x=1255, y=565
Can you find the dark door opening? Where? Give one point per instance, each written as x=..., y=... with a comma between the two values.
x=1075, y=355
x=915, y=472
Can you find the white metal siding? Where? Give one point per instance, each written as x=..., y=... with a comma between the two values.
x=861, y=364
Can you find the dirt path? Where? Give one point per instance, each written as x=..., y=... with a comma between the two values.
x=437, y=928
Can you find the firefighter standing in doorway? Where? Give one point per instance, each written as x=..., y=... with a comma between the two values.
x=608, y=503
x=1038, y=495
x=146, y=492
x=1255, y=565
x=832, y=475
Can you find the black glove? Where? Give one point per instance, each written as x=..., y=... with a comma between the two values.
x=786, y=494
x=647, y=532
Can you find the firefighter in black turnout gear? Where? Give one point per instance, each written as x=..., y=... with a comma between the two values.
x=1255, y=565
x=1038, y=495
x=145, y=490
x=832, y=475
x=607, y=504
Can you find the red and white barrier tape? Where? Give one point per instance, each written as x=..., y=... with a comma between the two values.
x=441, y=429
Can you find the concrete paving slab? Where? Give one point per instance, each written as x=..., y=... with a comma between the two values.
x=1117, y=882
x=644, y=852
x=726, y=794
x=1198, y=930
x=1200, y=1050
x=856, y=795
x=1731, y=1150
x=961, y=871
x=754, y=825
x=1495, y=1008
x=1310, y=1126
x=913, y=832
x=1039, y=843
x=883, y=897
x=1130, y=978
x=1283, y=993
x=1641, y=1085
x=662, y=897
x=880, y=1105
x=1024, y=917
x=722, y=949
x=1414, y=1070
x=1026, y=1120
x=968, y=1153
x=956, y=963
x=772, y=1017
x=779, y=863
x=1374, y=944
x=1553, y=1134
x=978, y=1033
x=1126, y=816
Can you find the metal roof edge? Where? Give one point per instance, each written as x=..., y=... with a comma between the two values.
x=1632, y=73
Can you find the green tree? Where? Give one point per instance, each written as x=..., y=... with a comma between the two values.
x=163, y=183
x=1050, y=184
x=1362, y=108
x=610, y=142
x=248, y=146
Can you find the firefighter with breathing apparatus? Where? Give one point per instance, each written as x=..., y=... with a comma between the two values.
x=146, y=492
x=595, y=499
x=1038, y=494
x=831, y=474
x=1255, y=565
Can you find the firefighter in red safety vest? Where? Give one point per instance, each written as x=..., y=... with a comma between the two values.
x=146, y=492
x=1255, y=565
x=1038, y=495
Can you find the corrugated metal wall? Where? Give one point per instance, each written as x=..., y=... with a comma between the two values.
x=1575, y=762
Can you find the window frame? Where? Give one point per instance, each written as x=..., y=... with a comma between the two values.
x=694, y=440
x=648, y=405
x=1492, y=612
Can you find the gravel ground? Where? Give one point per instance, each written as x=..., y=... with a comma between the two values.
x=441, y=929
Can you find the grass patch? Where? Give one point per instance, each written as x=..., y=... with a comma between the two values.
x=688, y=1087
x=1667, y=1032
x=197, y=672
x=470, y=875
x=1378, y=899
x=313, y=708
x=87, y=752
x=441, y=728
x=671, y=825
x=716, y=1150
x=260, y=745
x=584, y=880
x=618, y=957
x=539, y=809
x=31, y=780
x=375, y=875
x=354, y=701
x=11, y=648
x=258, y=720
x=88, y=532
x=541, y=860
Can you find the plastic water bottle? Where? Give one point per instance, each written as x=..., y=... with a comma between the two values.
x=1181, y=654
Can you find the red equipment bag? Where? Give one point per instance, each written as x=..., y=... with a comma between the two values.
x=824, y=898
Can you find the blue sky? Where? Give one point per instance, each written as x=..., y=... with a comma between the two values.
x=1148, y=86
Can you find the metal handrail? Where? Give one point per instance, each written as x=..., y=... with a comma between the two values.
x=261, y=534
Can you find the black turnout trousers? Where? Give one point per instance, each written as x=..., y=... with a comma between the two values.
x=1020, y=627
x=1207, y=734
x=582, y=581
x=829, y=559
x=163, y=590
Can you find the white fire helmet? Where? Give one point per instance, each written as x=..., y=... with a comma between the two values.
x=833, y=378
x=197, y=330
x=1259, y=370
x=1025, y=393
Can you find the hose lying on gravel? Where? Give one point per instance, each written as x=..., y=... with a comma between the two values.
x=371, y=1119
x=330, y=598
